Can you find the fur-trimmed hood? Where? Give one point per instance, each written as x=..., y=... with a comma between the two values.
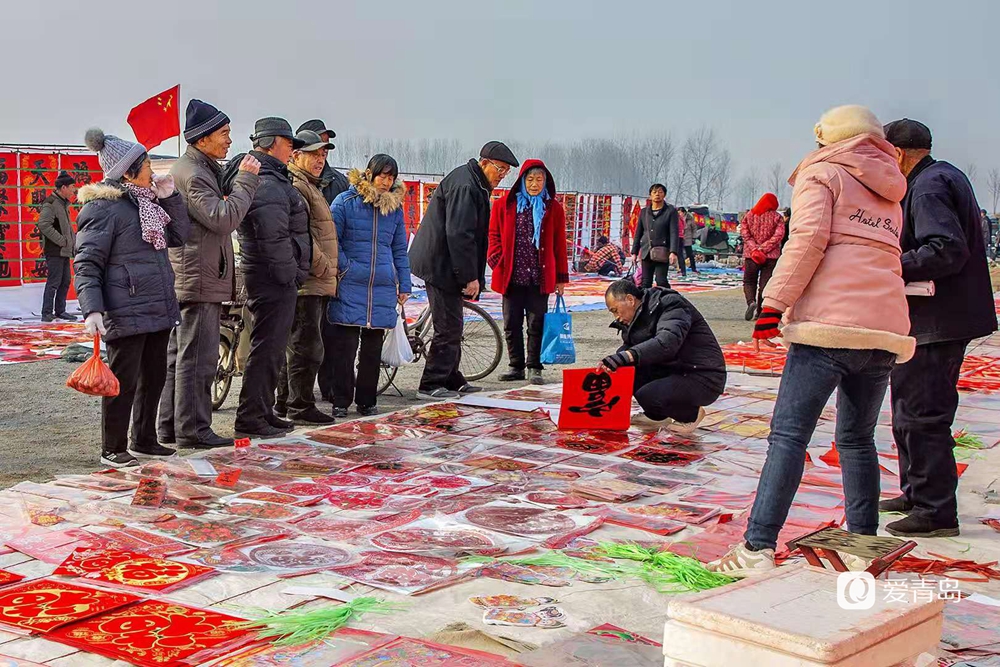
x=103, y=190
x=386, y=202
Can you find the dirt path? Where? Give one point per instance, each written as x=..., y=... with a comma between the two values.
x=47, y=429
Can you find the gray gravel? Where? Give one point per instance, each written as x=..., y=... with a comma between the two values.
x=48, y=429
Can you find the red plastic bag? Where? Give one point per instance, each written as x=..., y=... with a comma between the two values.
x=93, y=377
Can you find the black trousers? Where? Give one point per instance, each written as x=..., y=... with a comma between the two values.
x=607, y=269
x=272, y=310
x=924, y=401
x=192, y=361
x=359, y=388
x=657, y=269
x=522, y=302
x=755, y=278
x=330, y=353
x=140, y=364
x=56, y=285
x=689, y=253
x=445, y=354
x=674, y=396
x=303, y=357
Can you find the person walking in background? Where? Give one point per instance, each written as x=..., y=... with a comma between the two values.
x=304, y=353
x=59, y=240
x=657, y=241
x=762, y=230
x=942, y=242
x=372, y=242
x=276, y=254
x=205, y=275
x=527, y=253
x=687, y=230
x=987, y=232
x=839, y=286
x=606, y=260
x=126, y=287
x=449, y=253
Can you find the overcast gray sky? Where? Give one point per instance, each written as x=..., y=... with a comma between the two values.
x=760, y=73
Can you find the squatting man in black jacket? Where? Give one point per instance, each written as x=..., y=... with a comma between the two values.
x=679, y=364
x=942, y=241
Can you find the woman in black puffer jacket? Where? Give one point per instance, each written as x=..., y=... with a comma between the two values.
x=125, y=286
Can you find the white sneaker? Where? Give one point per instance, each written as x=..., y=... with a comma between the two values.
x=642, y=421
x=742, y=562
x=689, y=427
x=854, y=563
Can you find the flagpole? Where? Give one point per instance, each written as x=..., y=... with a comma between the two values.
x=179, y=129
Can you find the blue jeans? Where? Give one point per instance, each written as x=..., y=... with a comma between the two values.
x=810, y=377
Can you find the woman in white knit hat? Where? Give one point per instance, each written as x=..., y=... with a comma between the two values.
x=838, y=287
x=126, y=287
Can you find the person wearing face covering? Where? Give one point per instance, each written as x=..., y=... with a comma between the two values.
x=125, y=285
x=527, y=253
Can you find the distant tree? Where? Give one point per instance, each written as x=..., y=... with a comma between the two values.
x=776, y=180
x=749, y=188
x=993, y=184
x=722, y=178
x=699, y=159
x=972, y=171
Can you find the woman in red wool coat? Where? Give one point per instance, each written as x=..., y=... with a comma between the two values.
x=762, y=230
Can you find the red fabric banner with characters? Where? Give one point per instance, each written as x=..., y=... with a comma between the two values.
x=593, y=400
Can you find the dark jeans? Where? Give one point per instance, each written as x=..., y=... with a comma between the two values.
x=192, y=361
x=445, y=354
x=361, y=389
x=520, y=302
x=303, y=357
x=924, y=401
x=810, y=377
x=327, y=368
x=755, y=277
x=140, y=364
x=56, y=285
x=272, y=310
x=657, y=269
x=608, y=269
x=675, y=396
x=689, y=253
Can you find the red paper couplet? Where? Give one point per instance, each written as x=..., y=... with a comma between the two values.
x=593, y=400
x=229, y=478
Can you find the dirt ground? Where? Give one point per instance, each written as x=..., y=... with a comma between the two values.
x=48, y=429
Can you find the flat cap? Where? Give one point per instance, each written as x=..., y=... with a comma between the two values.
x=311, y=141
x=274, y=127
x=906, y=133
x=317, y=126
x=497, y=150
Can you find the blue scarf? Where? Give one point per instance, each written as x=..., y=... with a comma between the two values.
x=537, y=204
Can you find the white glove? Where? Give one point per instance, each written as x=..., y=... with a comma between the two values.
x=164, y=186
x=94, y=324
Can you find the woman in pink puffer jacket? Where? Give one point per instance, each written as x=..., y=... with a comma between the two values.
x=838, y=287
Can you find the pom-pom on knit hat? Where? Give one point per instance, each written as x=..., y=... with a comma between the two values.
x=115, y=155
x=845, y=122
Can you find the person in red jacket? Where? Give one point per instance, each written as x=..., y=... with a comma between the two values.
x=763, y=228
x=527, y=253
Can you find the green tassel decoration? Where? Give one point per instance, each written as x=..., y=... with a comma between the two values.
x=967, y=440
x=291, y=628
x=665, y=571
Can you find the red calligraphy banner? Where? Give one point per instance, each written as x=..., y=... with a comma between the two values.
x=427, y=189
x=411, y=207
x=593, y=400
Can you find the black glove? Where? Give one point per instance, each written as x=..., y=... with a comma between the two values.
x=618, y=359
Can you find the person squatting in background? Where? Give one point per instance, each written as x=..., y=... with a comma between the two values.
x=679, y=367
x=372, y=236
x=942, y=241
x=296, y=399
x=276, y=254
x=657, y=239
x=125, y=286
x=839, y=286
x=449, y=253
x=762, y=230
x=204, y=275
x=59, y=241
x=606, y=260
x=527, y=253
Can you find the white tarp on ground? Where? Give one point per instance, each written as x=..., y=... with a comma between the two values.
x=25, y=302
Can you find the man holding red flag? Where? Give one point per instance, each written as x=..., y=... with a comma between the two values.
x=157, y=119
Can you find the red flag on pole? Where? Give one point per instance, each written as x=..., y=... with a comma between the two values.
x=157, y=119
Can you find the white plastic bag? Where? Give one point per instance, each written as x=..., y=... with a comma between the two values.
x=396, y=350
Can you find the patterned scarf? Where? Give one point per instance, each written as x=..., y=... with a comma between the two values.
x=537, y=204
x=152, y=217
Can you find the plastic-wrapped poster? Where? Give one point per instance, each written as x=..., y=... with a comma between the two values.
x=43, y=605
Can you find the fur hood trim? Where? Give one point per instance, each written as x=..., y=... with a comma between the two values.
x=102, y=190
x=386, y=202
x=819, y=334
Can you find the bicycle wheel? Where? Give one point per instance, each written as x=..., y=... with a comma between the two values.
x=482, y=343
x=223, y=376
x=386, y=375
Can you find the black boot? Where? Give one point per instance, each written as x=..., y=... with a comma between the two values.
x=897, y=504
x=278, y=422
x=312, y=416
x=513, y=375
x=918, y=525
x=751, y=312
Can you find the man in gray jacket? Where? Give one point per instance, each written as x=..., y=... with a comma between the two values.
x=59, y=239
x=204, y=276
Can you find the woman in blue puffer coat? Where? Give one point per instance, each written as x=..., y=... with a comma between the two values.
x=372, y=240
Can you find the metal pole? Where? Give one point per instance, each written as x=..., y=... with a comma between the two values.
x=178, y=122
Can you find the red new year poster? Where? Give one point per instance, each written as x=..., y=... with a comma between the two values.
x=593, y=400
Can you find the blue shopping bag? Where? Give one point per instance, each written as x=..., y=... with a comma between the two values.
x=557, y=337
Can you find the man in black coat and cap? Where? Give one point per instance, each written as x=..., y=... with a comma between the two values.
x=942, y=242
x=449, y=253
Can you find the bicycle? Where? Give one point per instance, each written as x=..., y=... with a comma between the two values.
x=482, y=344
x=232, y=325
